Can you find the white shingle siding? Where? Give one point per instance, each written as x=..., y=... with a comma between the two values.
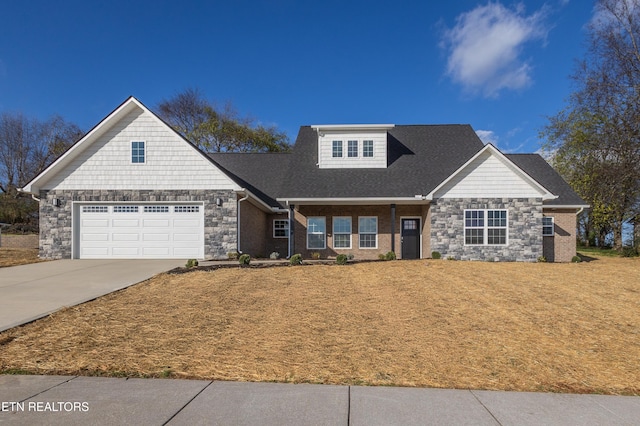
x=170, y=162
x=488, y=177
x=327, y=161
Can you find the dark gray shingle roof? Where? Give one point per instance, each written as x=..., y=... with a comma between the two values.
x=419, y=158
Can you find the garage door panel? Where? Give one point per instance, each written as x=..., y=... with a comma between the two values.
x=151, y=231
x=126, y=223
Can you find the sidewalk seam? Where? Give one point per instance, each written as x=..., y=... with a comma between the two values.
x=349, y=406
x=48, y=389
x=187, y=403
x=484, y=406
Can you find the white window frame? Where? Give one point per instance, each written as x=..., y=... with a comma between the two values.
x=323, y=233
x=336, y=232
x=365, y=150
x=144, y=152
x=336, y=148
x=279, y=228
x=360, y=232
x=551, y=226
x=484, y=226
x=351, y=153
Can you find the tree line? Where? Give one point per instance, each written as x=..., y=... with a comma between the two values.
x=594, y=141
x=28, y=145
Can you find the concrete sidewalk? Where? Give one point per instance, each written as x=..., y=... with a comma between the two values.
x=70, y=400
x=29, y=292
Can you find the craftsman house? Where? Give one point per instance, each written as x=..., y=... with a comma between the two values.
x=134, y=188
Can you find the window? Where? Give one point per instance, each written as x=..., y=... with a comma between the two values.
x=342, y=232
x=156, y=209
x=186, y=209
x=336, y=149
x=368, y=231
x=95, y=209
x=137, y=152
x=281, y=228
x=125, y=209
x=485, y=227
x=367, y=148
x=316, y=233
x=352, y=148
x=547, y=226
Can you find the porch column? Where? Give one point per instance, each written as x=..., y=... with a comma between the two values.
x=393, y=228
x=291, y=245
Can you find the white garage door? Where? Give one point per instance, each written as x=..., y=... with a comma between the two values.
x=140, y=231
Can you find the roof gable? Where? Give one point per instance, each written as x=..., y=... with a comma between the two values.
x=101, y=159
x=489, y=174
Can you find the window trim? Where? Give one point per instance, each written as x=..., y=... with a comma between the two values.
x=367, y=233
x=285, y=229
x=324, y=233
x=336, y=148
x=144, y=152
x=551, y=226
x=333, y=228
x=485, y=227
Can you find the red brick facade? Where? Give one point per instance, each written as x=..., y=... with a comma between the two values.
x=562, y=246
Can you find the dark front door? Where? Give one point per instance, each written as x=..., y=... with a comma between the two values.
x=410, y=238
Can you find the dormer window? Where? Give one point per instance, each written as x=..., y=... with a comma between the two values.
x=352, y=149
x=137, y=152
x=367, y=149
x=337, y=149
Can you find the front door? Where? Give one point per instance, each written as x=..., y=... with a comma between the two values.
x=410, y=238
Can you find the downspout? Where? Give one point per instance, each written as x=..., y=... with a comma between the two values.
x=238, y=220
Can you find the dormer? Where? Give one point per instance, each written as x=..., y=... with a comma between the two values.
x=351, y=146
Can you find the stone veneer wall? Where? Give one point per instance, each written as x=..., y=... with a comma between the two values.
x=220, y=223
x=524, y=232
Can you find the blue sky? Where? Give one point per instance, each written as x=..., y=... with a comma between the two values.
x=501, y=66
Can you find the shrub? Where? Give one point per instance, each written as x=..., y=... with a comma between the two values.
x=629, y=252
x=342, y=259
x=381, y=256
x=296, y=259
x=191, y=263
x=542, y=259
x=576, y=259
x=435, y=255
x=350, y=256
x=232, y=255
x=244, y=260
x=315, y=255
x=274, y=256
x=390, y=256
x=451, y=258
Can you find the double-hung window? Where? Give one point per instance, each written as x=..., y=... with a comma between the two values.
x=368, y=232
x=137, y=152
x=342, y=232
x=336, y=149
x=352, y=149
x=367, y=148
x=281, y=228
x=485, y=227
x=547, y=226
x=316, y=233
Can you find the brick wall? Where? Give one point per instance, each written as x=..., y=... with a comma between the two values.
x=382, y=212
x=18, y=241
x=562, y=246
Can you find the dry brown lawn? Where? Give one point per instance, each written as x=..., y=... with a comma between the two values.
x=451, y=324
x=17, y=256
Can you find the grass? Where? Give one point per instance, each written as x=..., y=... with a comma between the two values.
x=598, y=251
x=508, y=326
x=17, y=256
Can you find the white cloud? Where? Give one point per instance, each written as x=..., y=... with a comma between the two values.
x=488, y=136
x=485, y=48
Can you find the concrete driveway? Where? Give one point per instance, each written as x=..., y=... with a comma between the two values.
x=29, y=292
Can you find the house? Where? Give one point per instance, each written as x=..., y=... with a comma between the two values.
x=134, y=188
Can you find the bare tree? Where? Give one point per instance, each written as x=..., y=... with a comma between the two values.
x=215, y=129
